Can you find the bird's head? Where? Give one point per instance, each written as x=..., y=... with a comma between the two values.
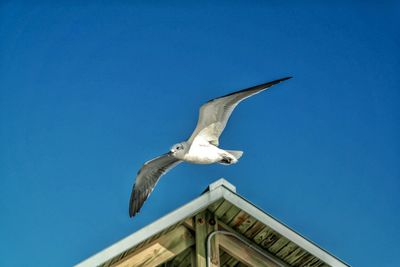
x=178, y=150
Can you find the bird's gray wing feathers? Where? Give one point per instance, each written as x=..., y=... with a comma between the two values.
x=147, y=179
x=215, y=114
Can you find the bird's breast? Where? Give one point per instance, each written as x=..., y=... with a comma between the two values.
x=203, y=155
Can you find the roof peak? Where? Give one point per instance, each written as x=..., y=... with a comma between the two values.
x=220, y=182
x=220, y=197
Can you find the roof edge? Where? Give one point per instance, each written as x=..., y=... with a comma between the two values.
x=283, y=229
x=215, y=191
x=185, y=211
x=218, y=183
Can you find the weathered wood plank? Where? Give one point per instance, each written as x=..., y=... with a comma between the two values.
x=193, y=257
x=224, y=207
x=240, y=264
x=224, y=257
x=285, y=251
x=270, y=239
x=242, y=228
x=215, y=205
x=201, y=236
x=231, y=262
x=278, y=245
x=303, y=259
x=106, y=264
x=177, y=261
x=319, y=263
x=295, y=255
x=239, y=219
x=243, y=253
x=189, y=223
x=262, y=235
x=311, y=262
x=254, y=229
x=223, y=226
x=205, y=223
x=230, y=214
x=186, y=259
x=160, y=250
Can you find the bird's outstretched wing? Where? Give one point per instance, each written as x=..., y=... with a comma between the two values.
x=215, y=113
x=147, y=179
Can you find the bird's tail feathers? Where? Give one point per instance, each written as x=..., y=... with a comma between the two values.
x=236, y=153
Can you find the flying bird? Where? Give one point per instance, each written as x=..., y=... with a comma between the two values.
x=200, y=148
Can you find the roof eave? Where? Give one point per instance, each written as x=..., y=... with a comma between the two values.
x=215, y=191
x=187, y=210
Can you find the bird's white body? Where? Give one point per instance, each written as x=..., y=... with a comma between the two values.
x=202, y=152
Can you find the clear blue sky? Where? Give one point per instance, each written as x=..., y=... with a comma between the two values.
x=91, y=91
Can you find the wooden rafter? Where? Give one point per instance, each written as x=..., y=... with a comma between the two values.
x=243, y=253
x=206, y=223
x=160, y=250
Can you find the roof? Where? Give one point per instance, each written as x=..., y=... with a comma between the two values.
x=234, y=215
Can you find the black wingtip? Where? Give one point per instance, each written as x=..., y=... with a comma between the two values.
x=131, y=215
x=280, y=80
x=286, y=78
x=133, y=210
x=257, y=87
x=268, y=84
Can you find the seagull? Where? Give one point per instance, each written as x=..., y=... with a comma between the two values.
x=200, y=148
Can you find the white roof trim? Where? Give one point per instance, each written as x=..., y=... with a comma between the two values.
x=222, y=182
x=217, y=190
x=161, y=224
x=282, y=229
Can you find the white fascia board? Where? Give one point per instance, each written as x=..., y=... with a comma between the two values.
x=282, y=229
x=154, y=228
x=222, y=182
x=217, y=190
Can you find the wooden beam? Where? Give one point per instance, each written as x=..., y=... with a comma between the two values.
x=160, y=250
x=206, y=223
x=243, y=253
x=193, y=257
x=189, y=223
x=223, y=226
